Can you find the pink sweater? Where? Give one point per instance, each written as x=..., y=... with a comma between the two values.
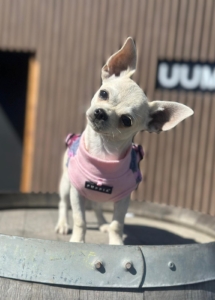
x=100, y=180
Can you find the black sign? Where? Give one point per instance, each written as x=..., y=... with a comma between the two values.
x=190, y=76
x=98, y=188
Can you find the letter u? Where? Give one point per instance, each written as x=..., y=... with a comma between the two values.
x=164, y=80
x=190, y=83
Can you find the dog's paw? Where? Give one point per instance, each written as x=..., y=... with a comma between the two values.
x=104, y=227
x=76, y=240
x=117, y=240
x=63, y=228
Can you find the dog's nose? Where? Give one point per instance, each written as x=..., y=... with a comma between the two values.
x=100, y=114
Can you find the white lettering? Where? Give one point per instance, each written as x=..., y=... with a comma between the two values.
x=202, y=76
x=208, y=78
x=173, y=80
x=193, y=82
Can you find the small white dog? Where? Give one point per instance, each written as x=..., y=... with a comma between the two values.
x=102, y=163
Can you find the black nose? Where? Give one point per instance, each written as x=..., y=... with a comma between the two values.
x=100, y=114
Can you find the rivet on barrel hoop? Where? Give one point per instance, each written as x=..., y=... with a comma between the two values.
x=128, y=265
x=97, y=264
x=171, y=265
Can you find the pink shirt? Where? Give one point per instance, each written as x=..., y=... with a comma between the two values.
x=100, y=180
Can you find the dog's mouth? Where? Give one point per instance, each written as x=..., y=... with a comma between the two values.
x=96, y=125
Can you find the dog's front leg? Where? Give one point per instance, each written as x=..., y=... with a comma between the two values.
x=103, y=224
x=78, y=212
x=62, y=226
x=116, y=226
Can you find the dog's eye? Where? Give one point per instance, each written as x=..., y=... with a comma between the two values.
x=103, y=95
x=126, y=120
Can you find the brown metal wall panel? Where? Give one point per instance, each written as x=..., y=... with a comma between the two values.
x=208, y=194
x=211, y=174
x=178, y=192
x=211, y=171
x=145, y=26
x=72, y=40
x=196, y=55
x=201, y=108
x=161, y=141
x=2, y=13
x=203, y=19
x=157, y=48
x=64, y=83
x=183, y=156
x=208, y=44
x=51, y=94
x=166, y=141
x=60, y=88
x=182, y=134
x=208, y=153
x=173, y=138
x=138, y=34
x=45, y=59
x=6, y=4
x=187, y=14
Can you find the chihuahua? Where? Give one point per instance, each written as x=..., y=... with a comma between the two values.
x=102, y=164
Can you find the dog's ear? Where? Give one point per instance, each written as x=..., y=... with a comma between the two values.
x=164, y=115
x=121, y=63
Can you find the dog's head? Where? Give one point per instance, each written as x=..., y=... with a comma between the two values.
x=120, y=108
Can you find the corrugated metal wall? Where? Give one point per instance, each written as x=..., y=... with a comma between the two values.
x=72, y=40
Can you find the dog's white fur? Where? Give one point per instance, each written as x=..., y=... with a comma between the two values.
x=110, y=139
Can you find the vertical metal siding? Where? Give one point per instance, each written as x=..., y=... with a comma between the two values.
x=72, y=40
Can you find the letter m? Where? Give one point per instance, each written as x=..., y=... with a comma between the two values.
x=208, y=78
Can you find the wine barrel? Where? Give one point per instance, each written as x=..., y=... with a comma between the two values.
x=46, y=268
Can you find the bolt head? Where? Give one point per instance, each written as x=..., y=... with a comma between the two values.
x=98, y=264
x=128, y=265
x=171, y=265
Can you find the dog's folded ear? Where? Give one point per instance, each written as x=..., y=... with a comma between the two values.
x=164, y=115
x=123, y=62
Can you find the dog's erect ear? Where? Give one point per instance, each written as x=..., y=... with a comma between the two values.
x=122, y=63
x=164, y=115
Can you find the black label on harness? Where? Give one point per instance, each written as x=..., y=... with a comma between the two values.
x=98, y=188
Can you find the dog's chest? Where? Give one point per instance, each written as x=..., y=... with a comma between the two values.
x=100, y=180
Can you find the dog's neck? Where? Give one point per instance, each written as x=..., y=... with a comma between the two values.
x=105, y=147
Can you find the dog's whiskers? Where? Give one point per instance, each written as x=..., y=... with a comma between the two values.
x=137, y=115
x=119, y=131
